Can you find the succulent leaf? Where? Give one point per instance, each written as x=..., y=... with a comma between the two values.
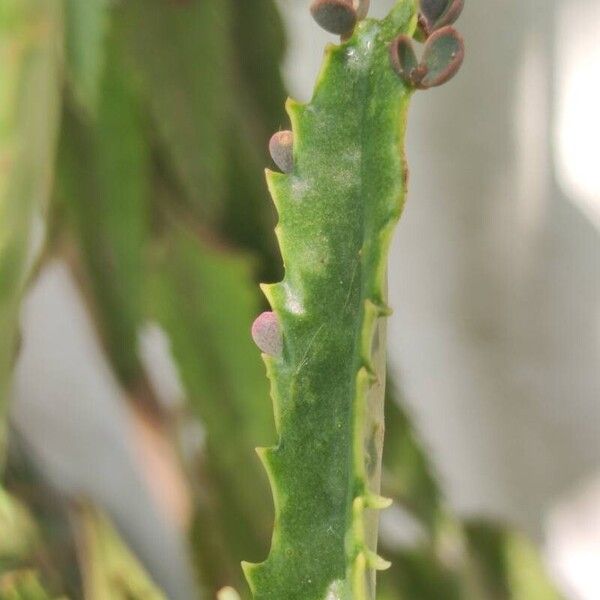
x=109, y=568
x=335, y=16
x=182, y=80
x=337, y=210
x=443, y=57
x=86, y=26
x=31, y=38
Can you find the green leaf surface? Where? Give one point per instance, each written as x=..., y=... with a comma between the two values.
x=337, y=210
x=22, y=585
x=181, y=54
x=418, y=574
x=204, y=297
x=31, y=36
x=86, y=28
x=110, y=570
x=104, y=169
x=18, y=532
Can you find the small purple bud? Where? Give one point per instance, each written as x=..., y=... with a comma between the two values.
x=266, y=333
x=281, y=147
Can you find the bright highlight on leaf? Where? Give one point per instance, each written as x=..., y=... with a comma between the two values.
x=338, y=199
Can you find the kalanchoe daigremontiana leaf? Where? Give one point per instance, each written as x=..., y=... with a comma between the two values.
x=436, y=14
x=441, y=60
x=337, y=210
x=281, y=147
x=443, y=56
x=266, y=333
x=335, y=16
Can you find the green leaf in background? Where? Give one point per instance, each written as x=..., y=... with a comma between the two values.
x=259, y=93
x=86, y=28
x=180, y=52
x=454, y=560
x=204, y=297
x=104, y=182
x=418, y=574
x=31, y=37
x=18, y=532
x=22, y=585
x=259, y=45
x=110, y=571
x=508, y=563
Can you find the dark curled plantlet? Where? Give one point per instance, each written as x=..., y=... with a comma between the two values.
x=281, y=147
x=335, y=16
x=435, y=14
x=441, y=60
x=404, y=60
x=443, y=56
x=266, y=333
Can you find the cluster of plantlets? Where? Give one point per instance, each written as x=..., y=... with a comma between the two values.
x=339, y=196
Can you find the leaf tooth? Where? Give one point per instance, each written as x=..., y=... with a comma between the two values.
x=249, y=569
x=266, y=455
x=383, y=309
x=374, y=561
x=277, y=184
x=377, y=502
x=272, y=292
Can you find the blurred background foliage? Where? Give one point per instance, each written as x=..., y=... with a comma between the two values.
x=132, y=144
